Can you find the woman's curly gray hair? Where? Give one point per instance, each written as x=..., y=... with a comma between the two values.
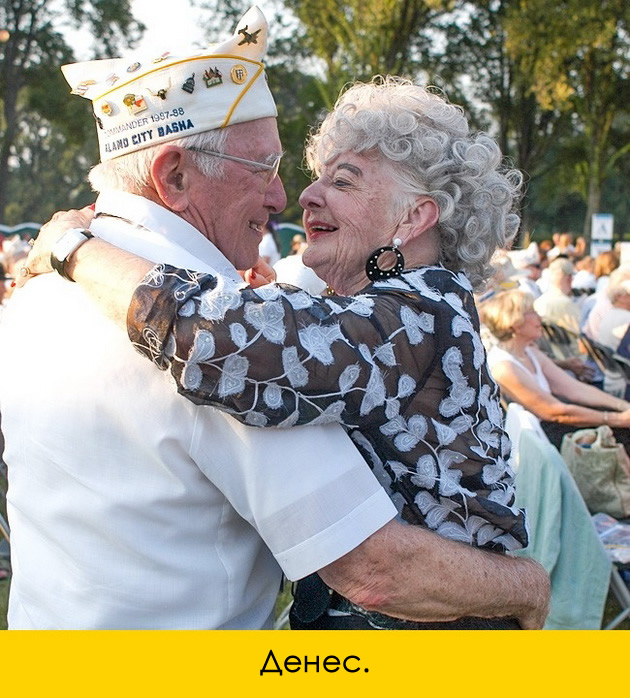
x=433, y=152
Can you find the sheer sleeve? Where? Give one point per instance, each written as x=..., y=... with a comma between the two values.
x=276, y=356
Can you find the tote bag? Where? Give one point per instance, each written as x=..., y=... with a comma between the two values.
x=601, y=469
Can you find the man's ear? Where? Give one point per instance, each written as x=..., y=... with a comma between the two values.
x=170, y=174
x=423, y=215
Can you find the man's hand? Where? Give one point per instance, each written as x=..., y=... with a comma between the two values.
x=260, y=274
x=38, y=260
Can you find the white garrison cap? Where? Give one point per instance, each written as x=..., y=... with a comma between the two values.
x=139, y=101
x=523, y=258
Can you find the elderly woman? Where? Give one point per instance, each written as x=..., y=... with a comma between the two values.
x=527, y=376
x=393, y=354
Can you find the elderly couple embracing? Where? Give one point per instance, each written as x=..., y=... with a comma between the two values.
x=353, y=441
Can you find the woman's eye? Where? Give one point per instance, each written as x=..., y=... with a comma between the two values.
x=340, y=182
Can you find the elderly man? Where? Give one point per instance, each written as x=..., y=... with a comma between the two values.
x=130, y=507
x=556, y=305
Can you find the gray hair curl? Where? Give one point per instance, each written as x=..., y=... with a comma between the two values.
x=130, y=172
x=433, y=153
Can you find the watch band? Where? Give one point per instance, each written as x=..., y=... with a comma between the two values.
x=67, y=244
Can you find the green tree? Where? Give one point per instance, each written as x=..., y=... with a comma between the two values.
x=577, y=54
x=29, y=76
x=357, y=39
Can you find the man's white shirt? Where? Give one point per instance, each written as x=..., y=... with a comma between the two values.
x=131, y=507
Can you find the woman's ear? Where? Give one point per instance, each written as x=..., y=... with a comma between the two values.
x=170, y=175
x=421, y=216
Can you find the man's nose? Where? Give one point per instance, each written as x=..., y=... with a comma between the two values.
x=276, y=197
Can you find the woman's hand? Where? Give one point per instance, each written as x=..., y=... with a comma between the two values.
x=621, y=419
x=260, y=274
x=38, y=260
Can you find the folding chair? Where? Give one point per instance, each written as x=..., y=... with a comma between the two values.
x=563, y=538
x=615, y=536
x=616, y=371
x=562, y=343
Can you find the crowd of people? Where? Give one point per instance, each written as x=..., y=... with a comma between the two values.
x=385, y=491
x=589, y=298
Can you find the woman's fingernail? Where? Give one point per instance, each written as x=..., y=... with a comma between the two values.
x=12, y=284
x=252, y=274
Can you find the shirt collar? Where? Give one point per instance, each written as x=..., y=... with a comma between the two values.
x=145, y=228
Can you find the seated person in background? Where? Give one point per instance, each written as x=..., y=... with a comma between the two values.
x=292, y=270
x=563, y=246
x=556, y=305
x=528, y=377
x=615, y=322
x=528, y=260
x=602, y=306
x=584, y=281
x=269, y=249
x=605, y=264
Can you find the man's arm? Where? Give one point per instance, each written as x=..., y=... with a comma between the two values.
x=412, y=573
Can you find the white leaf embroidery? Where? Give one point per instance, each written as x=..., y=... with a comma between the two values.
x=405, y=441
x=255, y=419
x=202, y=348
x=238, y=334
x=444, y=433
x=374, y=392
x=461, y=424
x=191, y=376
x=426, y=472
x=317, y=341
x=300, y=300
x=385, y=354
x=296, y=373
x=331, y=414
x=398, y=469
x=418, y=426
x=267, y=318
x=187, y=309
x=393, y=427
x=214, y=304
x=272, y=395
x=348, y=378
x=232, y=379
x=406, y=386
x=392, y=408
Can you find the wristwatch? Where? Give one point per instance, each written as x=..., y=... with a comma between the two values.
x=68, y=243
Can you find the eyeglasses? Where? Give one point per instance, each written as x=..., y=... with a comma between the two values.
x=270, y=169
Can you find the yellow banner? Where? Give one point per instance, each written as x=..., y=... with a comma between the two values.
x=317, y=663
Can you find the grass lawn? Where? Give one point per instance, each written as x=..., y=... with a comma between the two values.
x=4, y=598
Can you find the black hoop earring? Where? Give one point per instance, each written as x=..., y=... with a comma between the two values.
x=375, y=273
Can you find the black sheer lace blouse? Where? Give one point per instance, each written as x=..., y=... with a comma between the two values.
x=400, y=366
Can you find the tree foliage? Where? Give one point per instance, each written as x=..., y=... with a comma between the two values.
x=32, y=87
x=577, y=54
x=550, y=81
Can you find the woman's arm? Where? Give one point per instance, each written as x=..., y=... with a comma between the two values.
x=521, y=386
x=280, y=352
x=570, y=389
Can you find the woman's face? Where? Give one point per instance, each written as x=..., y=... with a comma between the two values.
x=530, y=327
x=348, y=213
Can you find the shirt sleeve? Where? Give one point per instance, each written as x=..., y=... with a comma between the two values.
x=276, y=356
x=306, y=491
